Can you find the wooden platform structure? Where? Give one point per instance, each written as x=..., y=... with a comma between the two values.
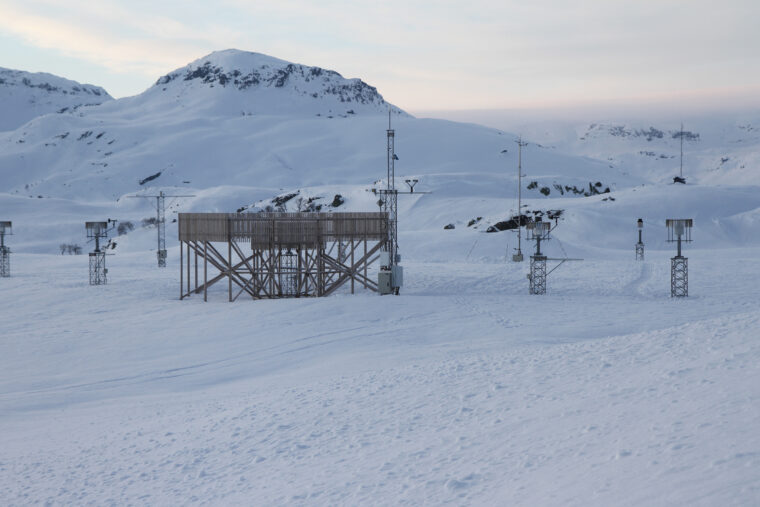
x=291, y=254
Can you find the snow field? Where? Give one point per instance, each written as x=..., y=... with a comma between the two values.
x=463, y=390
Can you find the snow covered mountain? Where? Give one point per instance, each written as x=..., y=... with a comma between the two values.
x=237, y=127
x=238, y=82
x=718, y=149
x=26, y=95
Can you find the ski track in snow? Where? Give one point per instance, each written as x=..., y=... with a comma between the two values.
x=464, y=390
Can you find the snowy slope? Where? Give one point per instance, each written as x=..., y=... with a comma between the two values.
x=463, y=390
x=26, y=95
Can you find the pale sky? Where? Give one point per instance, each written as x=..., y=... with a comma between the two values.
x=424, y=55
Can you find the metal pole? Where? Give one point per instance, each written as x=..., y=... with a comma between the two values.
x=519, y=195
x=681, y=170
x=205, y=270
x=518, y=257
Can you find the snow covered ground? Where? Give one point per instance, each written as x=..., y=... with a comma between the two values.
x=463, y=390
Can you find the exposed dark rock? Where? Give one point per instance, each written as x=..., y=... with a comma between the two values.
x=280, y=200
x=150, y=178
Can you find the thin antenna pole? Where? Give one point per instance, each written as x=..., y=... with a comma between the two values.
x=160, y=223
x=681, y=170
x=520, y=144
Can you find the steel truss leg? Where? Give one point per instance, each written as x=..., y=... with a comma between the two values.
x=679, y=277
x=98, y=272
x=537, y=274
x=5, y=262
x=639, y=251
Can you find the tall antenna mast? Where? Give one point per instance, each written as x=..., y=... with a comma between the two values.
x=681, y=170
x=391, y=274
x=518, y=257
x=160, y=223
x=393, y=197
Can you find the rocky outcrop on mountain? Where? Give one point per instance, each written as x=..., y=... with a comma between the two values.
x=598, y=130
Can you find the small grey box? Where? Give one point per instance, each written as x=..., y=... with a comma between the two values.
x=384, y=282
x=398, y=276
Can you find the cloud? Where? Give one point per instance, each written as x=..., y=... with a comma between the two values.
x=104, y=34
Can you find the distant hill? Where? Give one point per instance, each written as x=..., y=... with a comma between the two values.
x=26, y=95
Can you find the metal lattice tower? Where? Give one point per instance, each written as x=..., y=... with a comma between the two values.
x=679, y=230
x=389, y=265
x=679, y=277
x=5, y=252
x=98, y=270
x=161, y=223
x=538, y=231
x=537, y=274
x=518, y=257
x=390, y=204
x=640, y=244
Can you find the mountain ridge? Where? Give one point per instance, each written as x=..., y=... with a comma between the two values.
x=27, y=95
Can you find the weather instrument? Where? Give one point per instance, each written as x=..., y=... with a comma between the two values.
x=679, y=230
x=5, y=252
x=640, y=244
x=96, y=231
x=160, y=223
x=539, y=231
x=411, y=182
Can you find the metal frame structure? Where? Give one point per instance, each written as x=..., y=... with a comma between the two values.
x=160, y=223
x=5, y=252
x=679, y=230
x=390, y=278
x=98, y=270
x=291, y=254
x=538, y=231
x=679, y=277
x=640, y=244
